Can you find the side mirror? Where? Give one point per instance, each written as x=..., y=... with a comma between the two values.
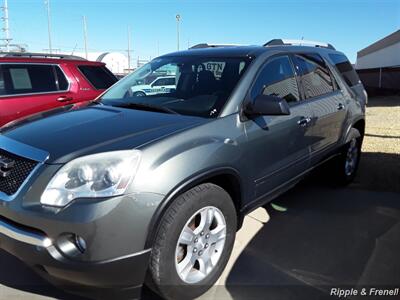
x=267, y=105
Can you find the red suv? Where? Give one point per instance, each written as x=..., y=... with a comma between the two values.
x=32, y=83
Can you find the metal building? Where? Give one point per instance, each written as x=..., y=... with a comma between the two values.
x=378, y=65
x=116, y=62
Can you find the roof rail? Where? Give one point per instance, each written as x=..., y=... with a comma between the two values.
x=40, y=55
x=285, y=42
x=205, y=45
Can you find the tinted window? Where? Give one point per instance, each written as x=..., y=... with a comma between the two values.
x=26, y=79
x=195, y=85
x=345, y=68
x=62, y=81
x=314, y=75
x=277, y=79
x=100, y=77
x=170, y=81
x=164, y=82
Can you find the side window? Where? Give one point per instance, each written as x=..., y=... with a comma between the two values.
x=159, y=82
x=2, y=84
x=62, y=80
x=100, y=77
x=170, y=81
x=277, y=79
x=314, y=75
x=345, y=68
x=27, y=79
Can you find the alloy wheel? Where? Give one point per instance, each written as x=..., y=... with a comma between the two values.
x=200, y=244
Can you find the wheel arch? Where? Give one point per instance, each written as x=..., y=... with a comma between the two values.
x=225, y=177
x=358, y=124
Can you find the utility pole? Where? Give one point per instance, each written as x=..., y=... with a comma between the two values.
x=178, y=19
x=85, y=36
x=129, y=48
x=6, y=27
x=47, y=3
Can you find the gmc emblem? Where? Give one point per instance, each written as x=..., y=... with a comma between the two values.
x=6, y=166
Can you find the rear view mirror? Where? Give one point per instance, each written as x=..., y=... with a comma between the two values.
x=267, y=105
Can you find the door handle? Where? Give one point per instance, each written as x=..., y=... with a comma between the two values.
x=303, y=122
x=64, y=98
x=340, y=106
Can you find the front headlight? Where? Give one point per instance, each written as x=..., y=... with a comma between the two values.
x=93, y=176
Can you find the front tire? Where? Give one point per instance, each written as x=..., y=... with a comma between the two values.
x=193, y=243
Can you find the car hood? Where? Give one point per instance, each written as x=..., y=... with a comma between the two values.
x=95, y=129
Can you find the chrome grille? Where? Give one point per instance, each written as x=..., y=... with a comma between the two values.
x=11, y=178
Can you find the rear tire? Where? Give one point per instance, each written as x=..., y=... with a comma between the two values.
x=344, y=167
x=193, y=243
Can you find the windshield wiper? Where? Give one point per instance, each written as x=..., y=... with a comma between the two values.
x=145, y=106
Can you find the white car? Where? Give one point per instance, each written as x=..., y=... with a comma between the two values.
x=158, y=86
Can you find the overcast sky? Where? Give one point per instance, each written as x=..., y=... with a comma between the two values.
x=349, y=25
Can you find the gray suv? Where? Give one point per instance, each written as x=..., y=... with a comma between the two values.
x=131, y=189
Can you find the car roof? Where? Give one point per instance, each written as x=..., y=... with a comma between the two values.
x=246, y=51
x=12, y=59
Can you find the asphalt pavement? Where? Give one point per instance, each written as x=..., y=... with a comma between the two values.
x=327, y=237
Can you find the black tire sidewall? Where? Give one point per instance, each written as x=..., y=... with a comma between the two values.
x=139, y=94
x=167, y=279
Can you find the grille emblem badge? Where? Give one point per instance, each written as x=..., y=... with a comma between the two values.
x=6, y=165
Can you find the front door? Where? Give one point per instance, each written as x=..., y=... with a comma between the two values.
x=278, y=146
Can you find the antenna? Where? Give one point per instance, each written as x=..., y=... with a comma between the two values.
x=73, y=50
x=6, y=27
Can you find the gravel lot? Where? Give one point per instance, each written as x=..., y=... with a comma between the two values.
x=380, y=162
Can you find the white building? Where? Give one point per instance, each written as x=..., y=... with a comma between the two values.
x=383, y=53
x=379, y=64
x=116, y=62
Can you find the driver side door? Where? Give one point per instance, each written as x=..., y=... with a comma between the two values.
x=279, y=146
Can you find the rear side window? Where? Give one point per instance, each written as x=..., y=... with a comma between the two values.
x=277, y=79
x=27, y=79
x=345, y=68
x=315, y=77
x=100, y=77
x=61, y=80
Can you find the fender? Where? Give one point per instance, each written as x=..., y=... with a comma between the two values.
x=346, y=136
x=184, y=186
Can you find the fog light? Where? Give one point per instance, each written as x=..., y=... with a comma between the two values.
x=80, y=243
x=71, y=244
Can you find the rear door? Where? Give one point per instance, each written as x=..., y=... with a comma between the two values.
x=26, y=89
x=278, y=146
x=326, y=101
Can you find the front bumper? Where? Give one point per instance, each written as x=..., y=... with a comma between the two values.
x=115, y=230
x=121, y=276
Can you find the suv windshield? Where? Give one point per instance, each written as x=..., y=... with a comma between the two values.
x=193, y=85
